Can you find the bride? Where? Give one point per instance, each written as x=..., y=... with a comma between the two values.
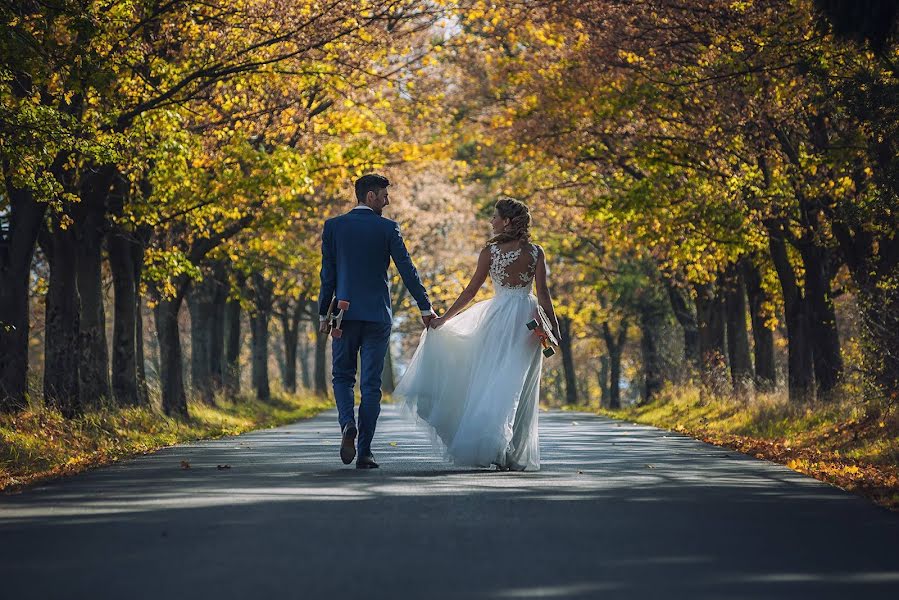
x=475, y=376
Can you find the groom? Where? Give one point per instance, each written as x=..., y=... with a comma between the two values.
x=356, y=251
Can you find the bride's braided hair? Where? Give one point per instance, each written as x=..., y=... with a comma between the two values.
x=519, y=221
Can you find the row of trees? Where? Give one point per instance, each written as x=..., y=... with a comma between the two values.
x=707, y=180
x=191, y=150
x=730, y=165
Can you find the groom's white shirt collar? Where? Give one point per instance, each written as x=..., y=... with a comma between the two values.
x=363, y=207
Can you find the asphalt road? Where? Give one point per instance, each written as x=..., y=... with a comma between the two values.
x=618, y=511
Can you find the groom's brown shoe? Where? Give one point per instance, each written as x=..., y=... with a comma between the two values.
x=348, y=443
x=366, y=461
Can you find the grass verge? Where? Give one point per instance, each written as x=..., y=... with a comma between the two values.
x=39, y=443
x=847, y=444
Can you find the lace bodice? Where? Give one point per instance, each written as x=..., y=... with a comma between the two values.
x=513, y=269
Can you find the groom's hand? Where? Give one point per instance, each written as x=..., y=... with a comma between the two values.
x=426, y=318
x=324, y=327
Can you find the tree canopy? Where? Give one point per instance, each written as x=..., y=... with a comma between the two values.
x=710, y=182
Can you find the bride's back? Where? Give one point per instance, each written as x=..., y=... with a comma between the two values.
x=513, y=264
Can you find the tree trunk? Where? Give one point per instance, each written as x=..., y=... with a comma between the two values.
x=89, y=217
x=262, y=296
x=823, y=336
x=816, y=304
x=125, y=248
x=61, y=381
x=290, y=326
x=304, y=360
x=762, y=336
x=880, y=318
x=143, y=393
x=259, y=332
x=875, y=275
x=800, y=378
x=17, y=243
x=801, y=382
x=710, y=318
x=217, y=328
x=171, y=368
x=93, y=351
x=232, y=347
x=615, y=380
x=199, y=249
x=567, y=360
x=125, y=334
x=278, y=351
x=137, y=259
x=687, y=319
x=651, y=321
x=737, y=333
x=615, y=347
x=154, y=359
x=202, y=313
x=603, y=380
x=290, y=364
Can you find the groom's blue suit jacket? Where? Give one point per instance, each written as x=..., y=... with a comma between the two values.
x=356, y=252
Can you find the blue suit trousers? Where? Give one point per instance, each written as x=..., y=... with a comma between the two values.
x=370, y=340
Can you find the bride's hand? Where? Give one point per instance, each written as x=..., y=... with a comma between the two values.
x=436, y=322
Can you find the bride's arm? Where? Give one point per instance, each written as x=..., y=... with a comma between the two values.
x=543, y=297
x=470, y=291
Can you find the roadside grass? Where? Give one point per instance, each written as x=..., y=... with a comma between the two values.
x=39, y=443
x=845, y=442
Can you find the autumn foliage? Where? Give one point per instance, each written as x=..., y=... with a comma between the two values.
x=716, y=186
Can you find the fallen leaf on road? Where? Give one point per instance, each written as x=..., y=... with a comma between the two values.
x=392, y=444
x=580, y=472
x=185, y=464
x=650, y=467
x=222, y=467
x=574, y=423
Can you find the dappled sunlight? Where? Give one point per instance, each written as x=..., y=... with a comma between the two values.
x=559, y=591
x=298, y=463
x=873, y=577
x=618, y=509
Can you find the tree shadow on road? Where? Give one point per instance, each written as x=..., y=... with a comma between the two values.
x=617, y=511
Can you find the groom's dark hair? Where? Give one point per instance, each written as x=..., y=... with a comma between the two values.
x=369, y=183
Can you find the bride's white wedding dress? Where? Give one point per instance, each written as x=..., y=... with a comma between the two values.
x=475, y=381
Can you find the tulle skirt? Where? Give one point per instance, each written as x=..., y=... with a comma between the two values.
x=475, y=382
